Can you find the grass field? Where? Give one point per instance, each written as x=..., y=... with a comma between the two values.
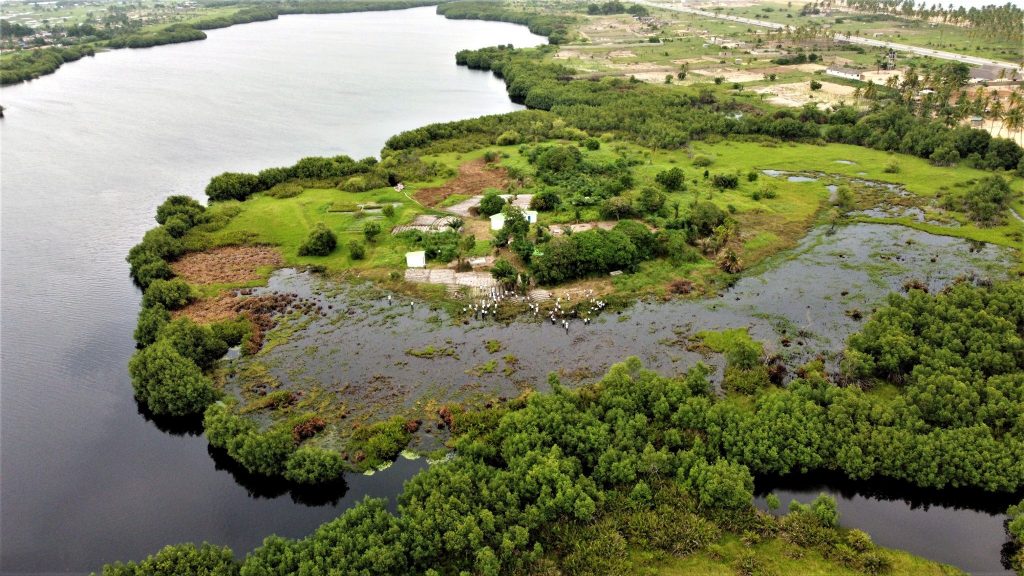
x=777, y=557
x=767, y=225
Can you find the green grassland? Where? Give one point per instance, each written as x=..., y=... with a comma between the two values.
x=891, y=28
x=777, y=557
x=767, y=225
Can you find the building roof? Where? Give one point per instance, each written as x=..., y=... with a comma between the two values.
x=988, y=72
x=843, y=70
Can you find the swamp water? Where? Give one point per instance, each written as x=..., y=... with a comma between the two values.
x=361, y=349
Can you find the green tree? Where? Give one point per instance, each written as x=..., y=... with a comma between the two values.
x=151, y=320
x=371, y=230
x=170, y=294
x=320, y=242
x=168, y=382
x=491, y=204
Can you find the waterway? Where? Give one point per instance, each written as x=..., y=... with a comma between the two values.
x=87, y=155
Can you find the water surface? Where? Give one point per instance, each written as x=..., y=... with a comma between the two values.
x=87, y=155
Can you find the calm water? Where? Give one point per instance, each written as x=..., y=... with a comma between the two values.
x=86, y=156
x=88, y=153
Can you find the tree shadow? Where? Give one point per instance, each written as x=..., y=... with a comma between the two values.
x=270, y=487
x=173, y=425
x=886, y=489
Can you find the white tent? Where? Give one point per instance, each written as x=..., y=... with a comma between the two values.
x=416, y=259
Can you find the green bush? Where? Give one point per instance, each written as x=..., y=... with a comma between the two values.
x=171, y=294
x=724, y=181
x=169, y=383
x=180, y=560
x=371, y=230
x=186, y=207
x=672, y=179
x=197, y=343
x=721, y=485
x=311, y=465
x=380, y=442
x=356, y=250
x=545, y=200
x=491, y=204
x=232, y=186
x=151, y=320
x=320, y=242
x=262, y=452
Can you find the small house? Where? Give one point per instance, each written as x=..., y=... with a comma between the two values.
x=497, y=221
x=531, y=216
x=416, y=259
x=841, y=72
x=977, y=122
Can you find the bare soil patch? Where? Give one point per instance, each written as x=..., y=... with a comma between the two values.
x=474, y=177
x=226, y=265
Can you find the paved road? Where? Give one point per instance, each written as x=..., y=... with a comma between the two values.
x=973, y=60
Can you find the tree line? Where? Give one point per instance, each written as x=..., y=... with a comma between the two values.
x=569, y=480
x=30, y=64
x=660, y=118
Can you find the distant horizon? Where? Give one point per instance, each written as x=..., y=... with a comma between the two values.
x=958, y=3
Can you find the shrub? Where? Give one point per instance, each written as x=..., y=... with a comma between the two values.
x=640, y=236
x=169, y=383
x=508, y=138
x=370, y=231
x=504, y=272
x=672, y=179
x=321, y=242
x=285, y=190
x=592, y=144
x=151, y=320
x=617, y=208
x=815, y=85
x=381, y=442
x=356, y=250
x=190, y=211
x=206, y=559
x=171, y=294
x=545, y=200
x=311, y=465
x=723, y=181
x=389, y=211
x=262, y=452
x=721, y=485
x=702, y=161
x=197, y=343
x=651, y=200
x=491, y=204
x=232, y=186
x=705, y=217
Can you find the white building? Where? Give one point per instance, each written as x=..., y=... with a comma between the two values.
x=497, y=221
x=416, y=259
x=531, y=216
x=848, y=73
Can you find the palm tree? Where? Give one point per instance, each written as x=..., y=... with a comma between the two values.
x=996, y=112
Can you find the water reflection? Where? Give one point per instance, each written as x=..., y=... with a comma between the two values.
x=259, y=486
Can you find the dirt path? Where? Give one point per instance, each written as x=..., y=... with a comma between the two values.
x=474, y=177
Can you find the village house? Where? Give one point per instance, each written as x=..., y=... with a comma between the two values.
x=847, y=73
